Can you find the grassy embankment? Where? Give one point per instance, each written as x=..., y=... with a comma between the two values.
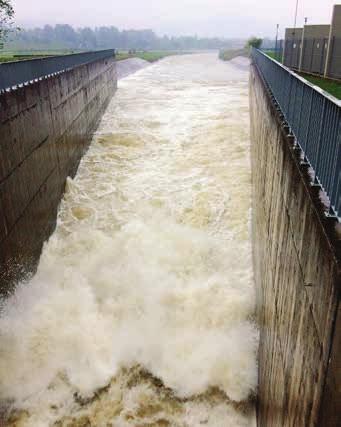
x=150, y=56
x=11, y=58
x=330, y=86
x=228, y=54
x=273, y=55
x=20, y=55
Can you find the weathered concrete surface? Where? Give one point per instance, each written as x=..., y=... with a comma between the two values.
x=45, y=128
x=297, y=275
x=130, y=66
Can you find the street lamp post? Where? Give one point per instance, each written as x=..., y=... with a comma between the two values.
x=277, y=26
x=295, y=21
x=302, y=45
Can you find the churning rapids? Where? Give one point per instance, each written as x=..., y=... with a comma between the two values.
x=141, y=311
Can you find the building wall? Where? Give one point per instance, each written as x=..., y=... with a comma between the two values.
x=293, y=33
x=297, y=276
x=316, y=31
x=315, y=48
x=336, y=21
x=45, y=127
x=320, y=52
x=333, y=68
x=292, y=43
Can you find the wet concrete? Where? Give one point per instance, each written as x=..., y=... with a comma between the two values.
x=130, y=66
x=297, y=276
x=45, y=127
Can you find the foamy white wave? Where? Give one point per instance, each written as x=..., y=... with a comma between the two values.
x=150, y=264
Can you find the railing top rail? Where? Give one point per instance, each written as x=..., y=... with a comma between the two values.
x=303, y=80
x=314, y=119
x=16, y=73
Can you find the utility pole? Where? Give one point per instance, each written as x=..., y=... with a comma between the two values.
x=295, y=21
x=302, y=44
x=277, y=26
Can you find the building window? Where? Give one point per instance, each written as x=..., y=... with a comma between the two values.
x=318, y=45
x=294, y=46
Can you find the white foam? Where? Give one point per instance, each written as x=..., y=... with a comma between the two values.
x=150, y=263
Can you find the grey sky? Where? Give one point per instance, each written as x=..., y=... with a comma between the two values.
x=223, y=18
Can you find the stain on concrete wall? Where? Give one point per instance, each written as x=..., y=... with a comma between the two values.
x=297, y=274
x=45, y=127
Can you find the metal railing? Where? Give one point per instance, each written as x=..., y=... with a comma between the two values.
x=276, y=51
x=314, y=118
x=16, y=73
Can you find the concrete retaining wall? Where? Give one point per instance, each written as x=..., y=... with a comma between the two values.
x=297, y=275
x=45, y=127
x=125, y=67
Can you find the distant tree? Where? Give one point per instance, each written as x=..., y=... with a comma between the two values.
x=65, y=37
x=6, y=19
x=87, y=38
x=65, y=34
x=107, y=37
x=254, y=42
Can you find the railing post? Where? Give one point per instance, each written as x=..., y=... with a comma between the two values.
x=319, y=141
x=309, y=119
x=302, y=48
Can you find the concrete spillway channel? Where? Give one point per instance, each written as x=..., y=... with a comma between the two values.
x=141, y=310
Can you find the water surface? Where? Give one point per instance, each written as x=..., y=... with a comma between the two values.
x=140, y=313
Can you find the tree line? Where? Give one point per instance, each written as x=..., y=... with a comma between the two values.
x=66, y=37
x=6, y=19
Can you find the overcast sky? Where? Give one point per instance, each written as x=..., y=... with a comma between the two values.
x=223, y=18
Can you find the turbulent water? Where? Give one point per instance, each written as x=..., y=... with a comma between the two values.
x=141, y=312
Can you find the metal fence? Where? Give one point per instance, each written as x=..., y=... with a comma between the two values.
x=277, y=51
x=314, y=55
x=15, y=73
x=314, y=118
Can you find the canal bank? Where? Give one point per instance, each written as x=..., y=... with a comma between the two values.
x=296, y=251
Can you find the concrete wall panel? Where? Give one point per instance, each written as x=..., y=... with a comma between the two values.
x=45, y=128
x=297, y=274
x=336, y=21
x=316, y=31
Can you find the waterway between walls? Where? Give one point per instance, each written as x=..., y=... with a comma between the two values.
x=141, y=312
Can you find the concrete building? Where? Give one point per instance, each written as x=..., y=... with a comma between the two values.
x=315, y=49
x=292, y=47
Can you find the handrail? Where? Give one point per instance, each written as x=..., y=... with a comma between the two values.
x=314, y=118
x=317, y=88
x=17, y=73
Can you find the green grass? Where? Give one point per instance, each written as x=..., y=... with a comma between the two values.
x=330, y=86
x=150, y=56
x=20, y=55
x=228, y=54
x=273, y=55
